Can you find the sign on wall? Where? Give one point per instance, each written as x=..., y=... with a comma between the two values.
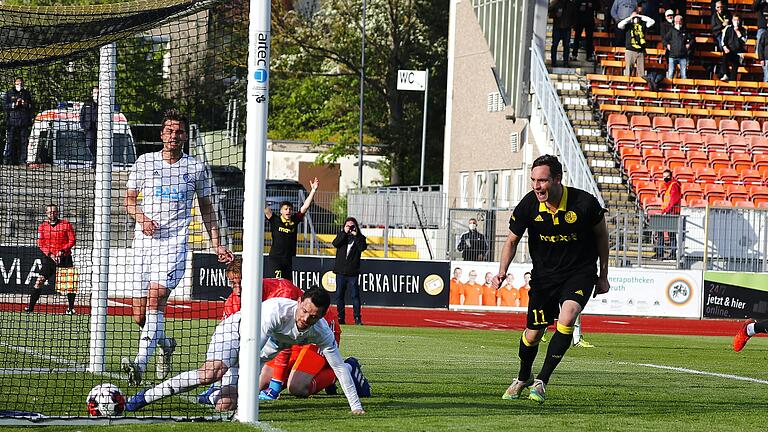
x=735, y=295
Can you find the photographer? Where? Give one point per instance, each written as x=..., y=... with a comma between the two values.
x=18, y=104
x=349, y=244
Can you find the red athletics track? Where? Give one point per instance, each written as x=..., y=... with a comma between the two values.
x=413, y=317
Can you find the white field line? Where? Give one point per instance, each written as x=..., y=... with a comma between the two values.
x=698, y=372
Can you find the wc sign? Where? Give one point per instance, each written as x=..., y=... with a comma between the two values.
x=414, y=80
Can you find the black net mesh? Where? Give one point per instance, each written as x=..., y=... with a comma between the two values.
x=184, y=55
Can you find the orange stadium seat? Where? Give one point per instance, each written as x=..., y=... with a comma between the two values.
x=734, y=192
x=637, y=172
x=684, y=174
x=617, y=121
x=706, y=125
x=741, y=161
x=651, y=155
x=647, y=139
x=716, y=202
x=640, y=122
x=758, y=194
x=696, y=203
x=758, y=144
x=727, y=175
x=662, y=124
x=765, y=128
x=676, y=158
x=630, y=155
x=652, y=204
x=714, y=142
x=670, y=140
x=750, y=128
x=736, y=143
x=705, y=174
x=745, y=204
x=623, y=137
x=645, y=189
x=762, y=205
x=683, y=124
x=718, y=160
x=730, y=127
x=692, y=141
x=714, y=191
x=750, y=175
x=691, y=190
x=697, y=159
x=760, y=161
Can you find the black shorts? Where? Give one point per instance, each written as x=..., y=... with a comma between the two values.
x=545, y=298
x=279, y=267
x=48, y=268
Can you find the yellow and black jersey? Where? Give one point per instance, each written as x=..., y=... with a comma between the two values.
x=284, y=234
x=562, y=242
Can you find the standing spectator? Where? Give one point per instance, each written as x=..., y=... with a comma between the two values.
x=18, y=104
x=168, y=180
x=561, y=12
x=55, y=238
x=678, y=44
x=605, y=7
x=670, y=196
x=620, y=11
x=720, y=19
x=472, y=244
x=567, y=235
x=734, y=44
x=89, y=116
x=350, y=244
x=585, y=21
x=456, y=287
x=636, y=41
x=507, y=295
x=761, y=10
x=472, y=295
x=762, y=55
x=284, y=229
x=651, y=9
x=677, y=6
x=667, y=24
x=713, y=4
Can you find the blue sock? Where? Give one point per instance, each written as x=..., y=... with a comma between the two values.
x=275, y=385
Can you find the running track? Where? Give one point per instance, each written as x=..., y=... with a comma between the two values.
x=412, y=317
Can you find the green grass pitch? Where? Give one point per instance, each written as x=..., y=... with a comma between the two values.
x=452, y=380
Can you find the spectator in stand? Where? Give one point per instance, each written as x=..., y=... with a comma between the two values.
x=761, y=10
x=637, y=34
x=762, y=56
x=734, y=44
x=621, y=10
x=489, y=293
x=605, y=7
x=55, y=238
x=89, y=117
x=561, y=12
x=720, y=18
x=19, y=107
x=472, y=294
x=678, y=44
x=667, y=24
x=585, y=21
x=713, y=4
x=670, y=195
x=507, y=295
x=456, y=287
x=472, y=244
x=651, y=9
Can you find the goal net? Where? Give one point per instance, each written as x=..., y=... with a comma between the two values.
x=85, y=90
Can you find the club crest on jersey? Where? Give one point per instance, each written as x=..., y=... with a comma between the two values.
x=187, y=178
x=570, y=217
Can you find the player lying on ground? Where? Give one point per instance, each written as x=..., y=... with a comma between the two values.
x=284, y=323
x=748, y=329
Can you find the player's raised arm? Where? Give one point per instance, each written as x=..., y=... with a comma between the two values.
x=314, y=183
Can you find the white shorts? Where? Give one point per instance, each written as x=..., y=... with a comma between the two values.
x=162, y=261
x=225, y=342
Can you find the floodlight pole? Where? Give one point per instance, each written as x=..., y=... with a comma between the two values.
x=253, y=207
x=102, y=204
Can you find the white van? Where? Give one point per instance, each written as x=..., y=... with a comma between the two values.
x=57, y=138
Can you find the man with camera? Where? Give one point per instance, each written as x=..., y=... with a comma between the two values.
x=18, y=104
x=349, y=244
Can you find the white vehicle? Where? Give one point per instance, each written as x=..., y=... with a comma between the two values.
x=57, y=138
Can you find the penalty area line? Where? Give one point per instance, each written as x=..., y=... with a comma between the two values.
x=698, y=372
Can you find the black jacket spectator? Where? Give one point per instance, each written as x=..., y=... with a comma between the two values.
x=664, y=28
x=733, y=41
x=761, y=9
x=19, y=114
x=678, y=42
x=762, y=49
x=348, y=251
x=561, y=12
x=89, y=114
x=719, y=21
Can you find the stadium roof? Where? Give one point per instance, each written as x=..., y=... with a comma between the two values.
x=38, y=34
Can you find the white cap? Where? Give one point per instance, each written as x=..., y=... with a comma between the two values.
x=669, y=12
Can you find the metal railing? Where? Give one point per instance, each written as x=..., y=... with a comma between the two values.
x=560, y=129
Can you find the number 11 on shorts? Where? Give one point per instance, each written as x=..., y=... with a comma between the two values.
x=538, y=317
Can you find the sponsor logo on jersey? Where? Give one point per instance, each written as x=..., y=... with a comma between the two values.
x=580, y=292
x=557, y=238
x=156, y=173
x=539, y=219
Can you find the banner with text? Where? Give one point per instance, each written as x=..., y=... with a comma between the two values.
x=383, y=282
x=735, y=295
x=19, y=267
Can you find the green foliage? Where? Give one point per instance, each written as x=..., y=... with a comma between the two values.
x=339, y=209
x=140, y=90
